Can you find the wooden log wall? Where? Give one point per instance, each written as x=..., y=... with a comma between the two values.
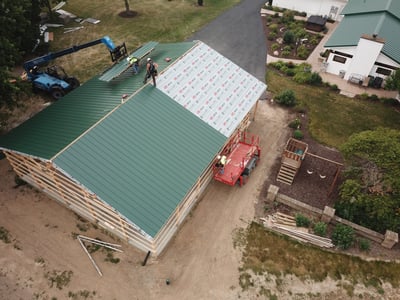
x=44, y=176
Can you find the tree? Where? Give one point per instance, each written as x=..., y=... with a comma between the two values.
x=393, y=81
x=127, y=6
x=370, y=194
x=18, y=34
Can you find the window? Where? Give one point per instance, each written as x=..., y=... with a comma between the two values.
x=383, y=71
x=339, y=59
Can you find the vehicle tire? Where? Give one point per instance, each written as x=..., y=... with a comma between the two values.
x=73, y=82
x=57, y=92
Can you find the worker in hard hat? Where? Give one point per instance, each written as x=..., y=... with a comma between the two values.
x=134, y=62
x=151, y=71
x=221, y=162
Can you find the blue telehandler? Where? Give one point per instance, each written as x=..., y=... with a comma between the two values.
x=53, y=79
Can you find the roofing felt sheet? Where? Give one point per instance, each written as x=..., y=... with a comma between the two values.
x=212, y=87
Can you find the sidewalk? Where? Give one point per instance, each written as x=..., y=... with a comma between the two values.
x=346, y=88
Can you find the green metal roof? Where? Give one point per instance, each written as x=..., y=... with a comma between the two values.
x=144, y=157
x=353, y=26
x=371, y=6
x=54, y=128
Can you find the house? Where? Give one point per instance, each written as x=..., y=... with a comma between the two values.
x=135, y=158
x=364, y=48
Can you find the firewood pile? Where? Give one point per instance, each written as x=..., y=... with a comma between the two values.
x=286, y=225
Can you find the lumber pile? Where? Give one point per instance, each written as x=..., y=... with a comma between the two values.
x=286, y=225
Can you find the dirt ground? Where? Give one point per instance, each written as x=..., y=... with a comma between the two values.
x=200, y=262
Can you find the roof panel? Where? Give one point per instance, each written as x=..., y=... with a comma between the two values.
x=54, y=128
x=144, y=157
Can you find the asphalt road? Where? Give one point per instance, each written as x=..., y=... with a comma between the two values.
x=238, y=35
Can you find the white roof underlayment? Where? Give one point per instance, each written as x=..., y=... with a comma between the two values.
x=212, y=87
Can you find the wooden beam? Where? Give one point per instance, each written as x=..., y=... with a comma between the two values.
x=323, y=158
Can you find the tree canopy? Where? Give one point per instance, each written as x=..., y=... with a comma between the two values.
x=370, y=195
x=19, y=20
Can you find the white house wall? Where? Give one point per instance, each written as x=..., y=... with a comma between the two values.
x=334, y=67
x=366, y=54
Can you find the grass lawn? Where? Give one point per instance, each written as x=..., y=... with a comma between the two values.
x=264, y=254
x=156, y=20
x=334, y=117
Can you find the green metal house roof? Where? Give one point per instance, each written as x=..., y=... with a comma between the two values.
x=371, y=6
x=54, y=128
x=144, y=157
x=353, y=26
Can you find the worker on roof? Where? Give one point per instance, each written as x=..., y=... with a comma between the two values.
x=151, y=71
x=134, y=62
x=221, y=161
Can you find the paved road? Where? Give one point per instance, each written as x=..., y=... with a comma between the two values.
x=238, y=35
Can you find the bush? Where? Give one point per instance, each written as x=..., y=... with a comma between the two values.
x=274, y=47
x=295, y=124
x=286, y=98
x=288, y=16
x=314, y=79
x=302, y=52
x=298, y=134
x=343, y=236
x=288, y=37
x=272, y=36
x=364, y=245
x=302, y=221
x=334, y=87
x=273, y=28
x=320, y=229
x=286, y=53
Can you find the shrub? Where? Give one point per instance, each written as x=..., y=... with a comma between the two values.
x=298, y=134
x=272, y=36
x=334, y=87
x=286, y=98
x=364, y=245
x=301, y=77
x=314, y=79
x=302, y=221
x=288, y=16
x=343, y=236
x=295, y=124
x=302, y=52
x=273, y=28
x=274, y=47
x=287, y=48
x=286, y=53
x=320, y=228
x=288, y=37
x=390, y=101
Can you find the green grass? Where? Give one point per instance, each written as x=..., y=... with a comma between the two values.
x=156, y=20
x=334, y=117
x=263, y=253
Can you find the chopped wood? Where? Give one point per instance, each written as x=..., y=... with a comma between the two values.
x=277, y=223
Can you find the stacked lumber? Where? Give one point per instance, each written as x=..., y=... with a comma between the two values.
x=286, y=225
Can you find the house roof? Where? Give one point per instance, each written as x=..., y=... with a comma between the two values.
x=144, y=155
x=372, y=6
x=366, y=21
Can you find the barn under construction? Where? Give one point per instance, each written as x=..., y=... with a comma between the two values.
x=135, y=158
